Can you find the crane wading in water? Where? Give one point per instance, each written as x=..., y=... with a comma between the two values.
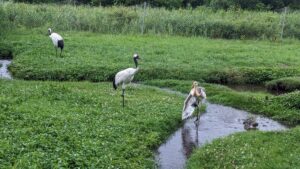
x=126, y=76
x=193, y=99
x=57, y=40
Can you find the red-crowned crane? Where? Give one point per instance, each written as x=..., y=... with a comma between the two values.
x=126, y=76
x=193, y=100
x=57, y=40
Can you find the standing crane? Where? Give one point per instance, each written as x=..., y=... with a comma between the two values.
x=126, y=76
x=57, y=40
x=193, y=100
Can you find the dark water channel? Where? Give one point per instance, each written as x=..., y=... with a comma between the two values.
x=253, y=88
x=248, y=88
x=4, y=73
x=218, y=121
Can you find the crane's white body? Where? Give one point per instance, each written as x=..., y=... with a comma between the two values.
x=57, y=41
x=55, y=37
x=125, y=76
x=191, y=100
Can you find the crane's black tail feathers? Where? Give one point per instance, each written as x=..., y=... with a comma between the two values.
x=114, y=84
x=60, y=44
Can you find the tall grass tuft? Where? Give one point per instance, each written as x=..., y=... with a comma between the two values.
x=132, y=20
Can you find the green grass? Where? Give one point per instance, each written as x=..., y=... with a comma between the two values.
x=284, y=108
x=97, y=57
x=82, y=125
x=231, y=24
x=250, y=150
x=287, y=84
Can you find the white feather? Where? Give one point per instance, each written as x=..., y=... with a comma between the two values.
x=125, y=76
x=202, y=91
x=55, y=38
x=187, y=110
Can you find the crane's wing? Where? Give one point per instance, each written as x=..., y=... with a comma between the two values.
x=201, y=90
x=55, y=38
x=188, y=109
x=125, y=76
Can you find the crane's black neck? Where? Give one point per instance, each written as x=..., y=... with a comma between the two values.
x=135, y=62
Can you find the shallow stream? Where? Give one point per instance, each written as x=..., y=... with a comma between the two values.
x=218, y=121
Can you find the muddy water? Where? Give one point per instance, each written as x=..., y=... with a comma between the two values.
x=4, y=73
x=218, y=121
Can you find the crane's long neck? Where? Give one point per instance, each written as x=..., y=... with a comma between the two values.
x=136, y=63
x=136, y=70
x=196, y=92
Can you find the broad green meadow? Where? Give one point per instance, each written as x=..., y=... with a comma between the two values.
x=97, y=57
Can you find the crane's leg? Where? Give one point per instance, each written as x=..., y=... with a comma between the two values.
x=198, y=110
x=197, y=134
x=61, y=50
x=56, y=51
x=123, y=94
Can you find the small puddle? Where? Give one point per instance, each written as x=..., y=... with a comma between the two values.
x=4, y=73
x=218, y=121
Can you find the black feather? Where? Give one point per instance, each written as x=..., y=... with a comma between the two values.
x=114, y=84
x=60, y=44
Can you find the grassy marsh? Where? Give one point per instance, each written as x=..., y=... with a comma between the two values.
x=82, y=124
